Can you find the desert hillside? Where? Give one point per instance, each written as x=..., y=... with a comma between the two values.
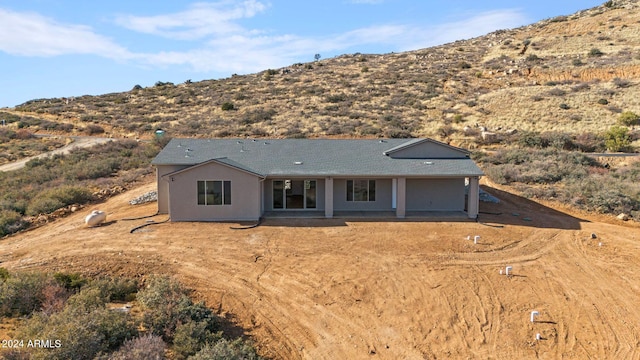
x=573, y=73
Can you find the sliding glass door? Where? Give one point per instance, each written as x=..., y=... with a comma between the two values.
x=294, y=194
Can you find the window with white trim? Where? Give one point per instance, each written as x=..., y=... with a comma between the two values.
x=361, y=190
x=216, y=192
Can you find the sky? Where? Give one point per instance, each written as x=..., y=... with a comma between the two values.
x=65, y=48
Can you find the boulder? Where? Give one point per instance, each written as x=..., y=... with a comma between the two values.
x=623, y=217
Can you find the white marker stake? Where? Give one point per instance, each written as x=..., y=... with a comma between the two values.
x=533, y=316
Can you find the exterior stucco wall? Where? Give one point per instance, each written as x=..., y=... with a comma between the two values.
x=435, y=194
x=268, y=193
x=163, y=186
x=428, y=150
x=245, y=195
x=382, y=202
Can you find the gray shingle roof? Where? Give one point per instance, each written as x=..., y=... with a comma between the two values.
x=312, y=157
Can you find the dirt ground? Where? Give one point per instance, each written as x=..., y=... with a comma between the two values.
x=355, y=289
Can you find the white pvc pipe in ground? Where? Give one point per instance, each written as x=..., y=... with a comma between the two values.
x=538, y=337
x=476, y=238
x=533, y=315
x=508, y=270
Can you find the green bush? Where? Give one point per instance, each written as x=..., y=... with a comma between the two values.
x=70, y=281
x=227, y=106
x=595, y=52
x=85, y=328
x=191, y=336
x=10, y=222
x=148, y=347
x=629, y=118
x=22, y=293
x=167, y=305
x=118, y=289
x=227, y=350
x=617, y=139
x=52, y=199
x=4, y=274
x=569, y=177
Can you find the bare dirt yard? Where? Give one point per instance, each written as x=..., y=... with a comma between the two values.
x=356, y=289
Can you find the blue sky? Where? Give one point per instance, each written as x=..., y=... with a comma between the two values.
x=64, y=48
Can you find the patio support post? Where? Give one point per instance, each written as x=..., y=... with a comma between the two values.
x=328, y=197
x=473, y=197
x=401, y=194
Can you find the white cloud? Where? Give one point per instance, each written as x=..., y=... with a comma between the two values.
x=198, y=21
x=30, y=34
x=245, y=52
x=223, y=45
x=481, y=24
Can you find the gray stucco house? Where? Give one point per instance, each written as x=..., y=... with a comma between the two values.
x=244, y=179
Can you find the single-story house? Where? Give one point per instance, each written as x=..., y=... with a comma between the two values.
x=244, y=179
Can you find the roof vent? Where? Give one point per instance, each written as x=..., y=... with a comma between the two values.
x=297, y=162
x=382, y=141
x=428, y=162
x=266, y=143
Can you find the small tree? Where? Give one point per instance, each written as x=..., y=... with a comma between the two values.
x=227, y=106
x=316, y=56
x=617, y=139
x=629, y=118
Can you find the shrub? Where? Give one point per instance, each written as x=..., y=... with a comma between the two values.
x=10, y=222
x=148, y=347
x=336, y=98
x=191, y=336
x=532, y=139
x=228, y=350
x=621, y=83
x=603, y=101
x=85, y=328
x=70, y=281
x=52, y=199
x=118, y=289
x=617, y=139
x=557, y=92
x=21, y=294
x=629, y=118
x=167, y=305
x=93, y=129
x=4, y=274
x=227, y=106
x=594, y=52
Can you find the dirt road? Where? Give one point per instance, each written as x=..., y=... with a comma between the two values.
x=78, y=142
x=343, y=289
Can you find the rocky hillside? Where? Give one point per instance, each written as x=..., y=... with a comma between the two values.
x=572, y=74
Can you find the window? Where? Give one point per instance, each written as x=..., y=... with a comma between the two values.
x=361, y=190
x=216, y=192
